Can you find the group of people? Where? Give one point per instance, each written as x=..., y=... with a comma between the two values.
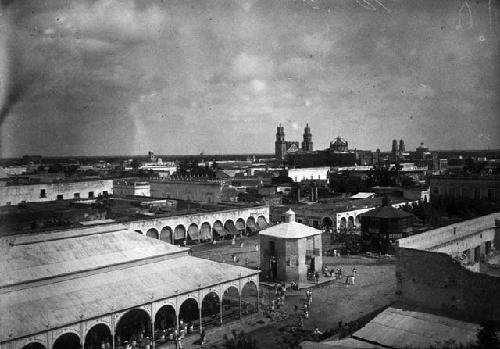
x=279, y=292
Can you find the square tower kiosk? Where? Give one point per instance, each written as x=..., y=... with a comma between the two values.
x=289, y=250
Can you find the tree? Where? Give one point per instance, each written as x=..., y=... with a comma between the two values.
x=135, y=164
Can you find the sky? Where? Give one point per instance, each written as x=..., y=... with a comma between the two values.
x=109, y=77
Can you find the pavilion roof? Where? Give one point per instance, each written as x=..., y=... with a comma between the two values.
x=292, y=230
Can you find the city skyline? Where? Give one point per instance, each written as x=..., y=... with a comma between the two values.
x=109, y=78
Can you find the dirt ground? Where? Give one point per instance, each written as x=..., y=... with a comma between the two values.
x=332, y=301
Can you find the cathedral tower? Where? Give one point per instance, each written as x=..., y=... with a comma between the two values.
x=307, y=144
x=280, y=144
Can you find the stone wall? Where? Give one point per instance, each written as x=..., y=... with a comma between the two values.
x=436, y=281
x=455, y=233
x=15, y=194
x=208, y=192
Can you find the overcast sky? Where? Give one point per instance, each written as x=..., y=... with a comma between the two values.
x=181, y=77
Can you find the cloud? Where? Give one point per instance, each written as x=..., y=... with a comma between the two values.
x=247, y=66
x=317, y=43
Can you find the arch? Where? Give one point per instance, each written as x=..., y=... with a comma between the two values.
x=350, y=222
x=165, y=318
x=231, y=303
x=249, y=298
x=343, y=223
x=218, y=230
x=132, y=325
x=206, y=231
x=251, y=225
x=97, y=335
x=153, y=233
x=179, y=234
x=189, y=311
x=210, y=309
x=230, y=227
x=34, y=345
x=262, y=222
x=69, y=340
x=166, y=234
x=193, y=233
x=327, y=222
x=240, y=225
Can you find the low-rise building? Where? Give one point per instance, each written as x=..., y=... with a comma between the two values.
x=131, y=187
x=471, y=187
x=15, y=194
x=441, y=269
x=199, y=190
x=106, y=284
x=289, y=250
x=309, y=173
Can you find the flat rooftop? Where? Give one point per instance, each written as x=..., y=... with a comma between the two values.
x=435, y=238
x=21, y=218
x=339, y=205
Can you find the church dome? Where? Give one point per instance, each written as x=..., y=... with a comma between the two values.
x=339, y=144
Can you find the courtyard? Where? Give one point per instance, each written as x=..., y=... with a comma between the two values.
x=332, y=300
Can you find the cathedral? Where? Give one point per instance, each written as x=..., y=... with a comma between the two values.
x=338, y=154
x=282, y=147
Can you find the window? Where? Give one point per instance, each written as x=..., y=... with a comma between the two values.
x=42, y=193
x=477, y=253
x=487, y=247
x=76, y=195
x=60, y=197
x=91, y=194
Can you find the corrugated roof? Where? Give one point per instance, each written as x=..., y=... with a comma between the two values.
x=292, y=230
x=410, y=329
x=30, y=310
x=41, y=256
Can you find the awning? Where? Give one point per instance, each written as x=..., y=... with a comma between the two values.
x=232, y=229
x=206, y=233
x=194, y=233
x=220, y=230
x=252, y=228
x=178, y=234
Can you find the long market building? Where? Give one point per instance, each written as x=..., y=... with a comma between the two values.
x=107, y=284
